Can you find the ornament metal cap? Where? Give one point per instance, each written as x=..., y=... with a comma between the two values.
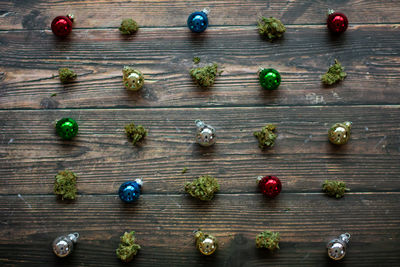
x=71, y=17
x=64, y=245
x=336, y=248
x=206, y=10
x=206, y=134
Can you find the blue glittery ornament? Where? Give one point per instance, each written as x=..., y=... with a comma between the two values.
x=198, y=21
x=130, y=191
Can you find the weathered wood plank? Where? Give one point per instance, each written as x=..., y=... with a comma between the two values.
x=164, y=225
x=29, y=61
x=31, y=153
x=34, y=14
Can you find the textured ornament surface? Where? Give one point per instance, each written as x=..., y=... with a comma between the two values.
x=61, y=26
x=337, y=22
x=270, y=186
x=197, y=21
x=339, y=133
x=270, y=79
x=64, y=245
x=133, y=79
x=205, y=135
x=67, y=128
x=337, y=247
x=205, y=243
x=130, y=191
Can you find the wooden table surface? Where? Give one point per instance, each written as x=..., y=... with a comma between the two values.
x=164, y=217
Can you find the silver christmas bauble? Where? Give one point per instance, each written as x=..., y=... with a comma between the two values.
x=64, y=245
x=337, y=247
x=205, y=134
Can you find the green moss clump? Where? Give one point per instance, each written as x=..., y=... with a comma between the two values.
x=135, y=133
x=334, y=188
x=196, y=60
x=270, y=28
x=65, y=184
x=266, y=137
x=334, y=74
x=268, y=239
x=127, y=248
x=203, y=187
x=128, y=26
x=205, y=76
x=66, y=75
x=184, y=170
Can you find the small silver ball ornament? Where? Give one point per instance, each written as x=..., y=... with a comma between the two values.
x=205, y=134
x=337, y=247
x=64, y=245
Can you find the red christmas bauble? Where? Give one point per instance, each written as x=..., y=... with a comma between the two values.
x=337, y=22
x=270, y=186
x=61, y=26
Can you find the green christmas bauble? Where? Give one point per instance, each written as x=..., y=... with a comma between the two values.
x=270, y=79
x=67, y=128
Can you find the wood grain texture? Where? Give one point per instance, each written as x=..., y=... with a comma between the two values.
x=164, y=225
x=30, y=62
x=31, y=153
x=37, y=14
x=163, y=49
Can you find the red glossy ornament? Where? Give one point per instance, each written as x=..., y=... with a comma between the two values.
x=270, y=186
x=62, y=25
x=337, y=22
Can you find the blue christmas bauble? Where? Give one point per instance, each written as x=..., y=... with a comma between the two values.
x=130, y=191
x=197, y=21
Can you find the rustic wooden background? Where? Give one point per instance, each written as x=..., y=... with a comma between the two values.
x=164, y=217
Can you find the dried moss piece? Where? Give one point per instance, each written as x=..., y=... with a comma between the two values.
x=203, y=187
x=334, y=74
x=66, y=75
x=334, y=188
x=266, y=137
x=65, y=184
x=204, y=76
x=128, y=26
x=268, y=239
x=127, y=248
x=196, y=60
x=270, y=28
x=135, y=133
